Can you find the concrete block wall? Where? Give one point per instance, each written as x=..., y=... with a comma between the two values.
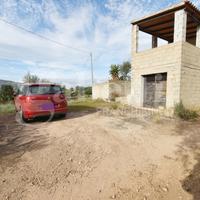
x=101, y=91
x=166, y=58
x=122, y=100
x=108, y=90
x=190, y=76
x=120, y=88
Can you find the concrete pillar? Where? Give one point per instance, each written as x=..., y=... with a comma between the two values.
x=180, y=26
x=154, y=41
x=198, y=37
x=135, y=34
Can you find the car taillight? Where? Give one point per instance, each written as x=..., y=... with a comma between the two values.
x=62, y=96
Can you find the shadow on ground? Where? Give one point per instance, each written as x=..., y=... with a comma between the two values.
x=191, y=133
x=81, y=108
x=16, y=139
x=76, y=114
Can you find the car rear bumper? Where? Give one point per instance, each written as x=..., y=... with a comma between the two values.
x=32, y=114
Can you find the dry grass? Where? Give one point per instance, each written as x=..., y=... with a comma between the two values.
x=89, y=104
x=7, y=108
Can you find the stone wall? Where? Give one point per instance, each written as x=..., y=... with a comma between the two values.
x=111, y=89
x=101, y=91
x=119, y=88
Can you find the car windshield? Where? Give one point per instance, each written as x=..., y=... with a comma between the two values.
x=44, y=89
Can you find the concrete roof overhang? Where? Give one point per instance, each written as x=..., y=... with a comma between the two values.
x=161, y=24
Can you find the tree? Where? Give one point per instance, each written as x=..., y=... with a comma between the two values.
x=6, y=93
x=74, y=93
x=125, y=70
x=114, y=72
x=44, y=80
x=80, y=91
x=88, y=91
x=28, y=78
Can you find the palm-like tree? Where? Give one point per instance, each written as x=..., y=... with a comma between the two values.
x=114, y=72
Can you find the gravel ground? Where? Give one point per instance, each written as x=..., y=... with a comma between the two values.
x=98, y=155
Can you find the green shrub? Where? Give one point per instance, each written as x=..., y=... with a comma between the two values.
x=6, y=93
x=184, y=113
x=88, y=91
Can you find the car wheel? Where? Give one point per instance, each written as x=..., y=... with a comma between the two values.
x=21, y=115
x=63, y=115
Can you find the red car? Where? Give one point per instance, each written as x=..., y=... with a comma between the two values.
x=33, y=100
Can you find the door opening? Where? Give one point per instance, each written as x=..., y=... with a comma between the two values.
x=155, y=88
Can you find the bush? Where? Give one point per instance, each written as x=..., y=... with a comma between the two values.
x=184, y=113
x=6, y=93
x=88, y=91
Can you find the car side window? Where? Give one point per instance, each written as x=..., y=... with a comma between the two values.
x=19, y=92
x=23, y=90
x=56, y=90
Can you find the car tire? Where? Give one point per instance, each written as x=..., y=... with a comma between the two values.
x=63, y=115
x=21, y=115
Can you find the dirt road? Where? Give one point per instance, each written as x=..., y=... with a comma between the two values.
x=91, y=156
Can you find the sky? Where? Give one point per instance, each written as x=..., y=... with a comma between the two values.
x=81, y=26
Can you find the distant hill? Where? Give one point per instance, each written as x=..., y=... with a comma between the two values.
x=6, y=82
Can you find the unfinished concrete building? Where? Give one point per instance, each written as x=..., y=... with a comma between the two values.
x=165, y=75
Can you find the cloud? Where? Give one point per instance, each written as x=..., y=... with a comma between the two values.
x=102, y=27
